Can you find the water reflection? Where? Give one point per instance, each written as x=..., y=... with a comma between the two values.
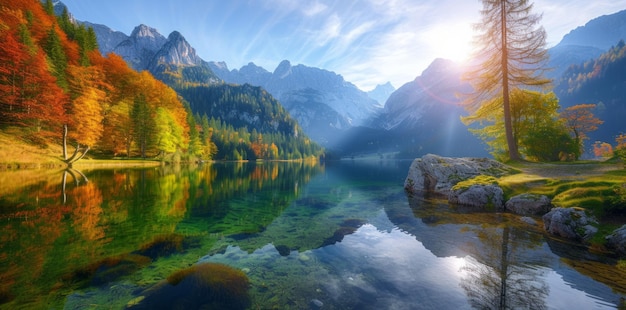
x=306, y=236
x=65, y=230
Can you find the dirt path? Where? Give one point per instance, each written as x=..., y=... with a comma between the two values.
x=565, y=171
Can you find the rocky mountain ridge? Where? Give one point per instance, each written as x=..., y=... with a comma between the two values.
x=334, y=112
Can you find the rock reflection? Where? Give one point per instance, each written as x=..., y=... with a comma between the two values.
x=502, y=257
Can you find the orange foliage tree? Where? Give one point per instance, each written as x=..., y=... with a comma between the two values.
x=602, y=149
x=580, y=120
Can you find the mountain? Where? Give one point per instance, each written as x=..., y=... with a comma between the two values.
x=381, y=92
x=139, y=49
x=108, y=38
x=601, y=32
x=601, y=81
x=587, y=42
x=172, y=60
x=322, y=101
x=422, y=116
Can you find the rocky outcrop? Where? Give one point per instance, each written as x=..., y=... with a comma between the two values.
x=571, y=223
x=484, y=196
x=433, y=173
x=529, y=204
x=617, y=240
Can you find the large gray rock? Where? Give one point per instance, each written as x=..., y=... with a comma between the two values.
x=571, y=223
x=439, y=174
x=529, y=204
x=617, y=240
x=483, y=196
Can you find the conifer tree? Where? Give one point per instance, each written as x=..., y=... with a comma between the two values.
x=512, y=54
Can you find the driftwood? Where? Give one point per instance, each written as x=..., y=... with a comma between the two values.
x=79, y=152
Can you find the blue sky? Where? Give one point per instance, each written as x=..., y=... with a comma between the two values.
x=369, y=42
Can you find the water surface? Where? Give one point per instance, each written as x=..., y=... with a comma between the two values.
x=343, y=235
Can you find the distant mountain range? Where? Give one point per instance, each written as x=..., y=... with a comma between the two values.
x=323, y=102
x=420, y=117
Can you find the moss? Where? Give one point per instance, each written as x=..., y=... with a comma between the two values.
x=201, y=286
x=478, y=180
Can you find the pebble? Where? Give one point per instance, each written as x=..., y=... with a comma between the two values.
x=316, y=304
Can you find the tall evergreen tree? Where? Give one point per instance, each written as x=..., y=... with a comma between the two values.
x=512, y=53
x=143, y=122
x=56, y=54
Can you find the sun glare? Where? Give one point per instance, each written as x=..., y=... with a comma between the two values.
x=452, y=41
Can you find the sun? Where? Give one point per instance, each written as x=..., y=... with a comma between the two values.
x=452, y=41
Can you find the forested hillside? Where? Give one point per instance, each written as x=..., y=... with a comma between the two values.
x=52, y=75
x=600, y=81
x=249, y=123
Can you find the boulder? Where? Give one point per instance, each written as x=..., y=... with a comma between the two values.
x=529, y=204
x=571, y=223
x=438, y=174
x=483, y=196
x=617, y=240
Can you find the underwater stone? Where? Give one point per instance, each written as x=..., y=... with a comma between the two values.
x=316, y=304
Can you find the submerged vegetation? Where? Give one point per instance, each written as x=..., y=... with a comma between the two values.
x=201, y=286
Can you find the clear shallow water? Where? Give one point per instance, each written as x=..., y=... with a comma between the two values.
x=339, y=236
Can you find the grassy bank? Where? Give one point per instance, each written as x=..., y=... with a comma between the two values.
x=18, y=152
x=598, y=187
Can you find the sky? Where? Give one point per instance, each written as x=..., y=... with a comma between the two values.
x=368, y=42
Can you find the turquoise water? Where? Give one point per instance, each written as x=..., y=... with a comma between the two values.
x=343, y=235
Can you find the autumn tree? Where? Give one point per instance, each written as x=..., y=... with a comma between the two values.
x=169, y=134
x=602, y=149
x=512, y=55
x=29, y=95
x=537, y=128
x=580, y=121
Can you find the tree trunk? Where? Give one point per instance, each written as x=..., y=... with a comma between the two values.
x=508, y=127
x=65, y=142
x=75, y=156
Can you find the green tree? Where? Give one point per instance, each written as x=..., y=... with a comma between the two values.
x=144, y=125
x=58, y=59
x=537, y=128
x=169, y=134
x=513, y=55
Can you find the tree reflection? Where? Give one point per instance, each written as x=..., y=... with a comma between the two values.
x=497, y=276
x=501, y=269
x=77, y=181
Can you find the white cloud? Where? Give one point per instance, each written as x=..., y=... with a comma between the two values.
x=314, y=9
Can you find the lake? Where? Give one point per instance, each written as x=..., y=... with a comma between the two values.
x=276, y=235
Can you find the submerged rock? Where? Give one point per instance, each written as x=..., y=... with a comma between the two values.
x=529, y=204
x=201, y=286
x=617, y=240
x=316, y=304
x=571, y=223
x=528, y=220
x=438, y=174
